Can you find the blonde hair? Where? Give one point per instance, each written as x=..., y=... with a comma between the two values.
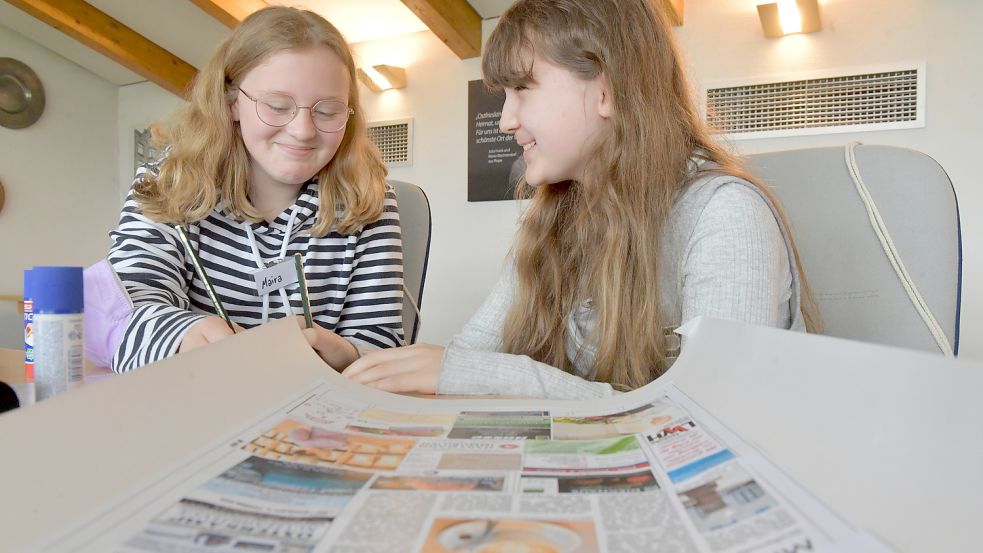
x=207, y=160
x=600, y=238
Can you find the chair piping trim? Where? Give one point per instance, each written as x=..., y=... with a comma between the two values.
x=880, y=229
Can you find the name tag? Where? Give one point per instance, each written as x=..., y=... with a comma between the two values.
x=275, y=276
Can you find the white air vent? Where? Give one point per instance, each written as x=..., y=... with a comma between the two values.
x=844, y=101
x=394, y=140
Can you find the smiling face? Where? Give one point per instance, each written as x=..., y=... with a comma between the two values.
x=289, y=156
x=557, y=118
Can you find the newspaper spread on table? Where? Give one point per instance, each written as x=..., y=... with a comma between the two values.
x=336, y=472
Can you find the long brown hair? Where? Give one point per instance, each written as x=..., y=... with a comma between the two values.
x=207, y=160
x=600, y=238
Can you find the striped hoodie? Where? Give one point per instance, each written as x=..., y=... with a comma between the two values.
x=355, y=282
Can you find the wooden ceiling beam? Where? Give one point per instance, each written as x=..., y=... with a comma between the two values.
x=230, y=12
x=102, y=33
x=454, y=22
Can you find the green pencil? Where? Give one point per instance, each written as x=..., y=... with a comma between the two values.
x=182, y=234
x=302, y=284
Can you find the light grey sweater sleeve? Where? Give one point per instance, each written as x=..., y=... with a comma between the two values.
x=736, y=265
x=474, y=364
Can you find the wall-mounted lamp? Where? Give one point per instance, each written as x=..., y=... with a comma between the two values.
x=382, y=77
x=786, y=17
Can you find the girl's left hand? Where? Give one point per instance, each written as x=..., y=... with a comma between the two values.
x=407, y=369
x=333, y=349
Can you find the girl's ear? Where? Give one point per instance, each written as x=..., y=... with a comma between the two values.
x=605, y=100
x=234, y=108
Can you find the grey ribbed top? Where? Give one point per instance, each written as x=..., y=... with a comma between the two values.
x=724, y=255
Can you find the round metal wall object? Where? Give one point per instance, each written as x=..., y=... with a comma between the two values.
x=21, y=95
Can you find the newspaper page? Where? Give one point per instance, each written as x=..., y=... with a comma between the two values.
x=336, y=472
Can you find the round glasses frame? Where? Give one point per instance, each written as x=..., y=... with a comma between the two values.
x=335, y=126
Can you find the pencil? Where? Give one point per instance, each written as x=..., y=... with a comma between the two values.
x=302, y=284
x=182, y=234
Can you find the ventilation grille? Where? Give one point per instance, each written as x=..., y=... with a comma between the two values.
x=870, y=101
x=393, y=138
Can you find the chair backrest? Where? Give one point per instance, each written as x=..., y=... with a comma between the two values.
x=859, y=293
x=414, y=222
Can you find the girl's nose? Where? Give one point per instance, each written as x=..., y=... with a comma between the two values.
x=508, y=123
x=302, y=126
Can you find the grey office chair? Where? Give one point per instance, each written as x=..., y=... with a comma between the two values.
x=862, y=293
x=414, y=222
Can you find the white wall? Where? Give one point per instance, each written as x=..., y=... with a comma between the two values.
x=721, y=41
x=60, y=173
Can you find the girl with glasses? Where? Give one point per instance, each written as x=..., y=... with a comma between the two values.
x=268, y=159
x=639, y=221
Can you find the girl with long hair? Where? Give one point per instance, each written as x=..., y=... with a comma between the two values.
x=269, y=158
x=639, y=221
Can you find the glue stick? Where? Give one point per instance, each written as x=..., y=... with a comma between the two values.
x=57, y=303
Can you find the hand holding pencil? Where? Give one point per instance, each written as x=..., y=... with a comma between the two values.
x=332, y=348
x=210, y=329
x=206, y=331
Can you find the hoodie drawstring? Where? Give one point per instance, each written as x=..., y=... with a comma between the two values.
x=260, y=265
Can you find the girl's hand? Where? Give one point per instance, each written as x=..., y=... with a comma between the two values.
x=333, y=349
x=408, y=369
x=206, y=331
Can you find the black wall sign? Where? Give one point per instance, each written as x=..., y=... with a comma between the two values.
x=494, y=159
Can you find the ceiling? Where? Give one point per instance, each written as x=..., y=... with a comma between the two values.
x=363, y=20
x=189, y=33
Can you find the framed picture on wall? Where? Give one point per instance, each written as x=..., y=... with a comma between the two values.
x=144, y=150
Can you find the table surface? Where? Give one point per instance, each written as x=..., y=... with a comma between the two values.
x=12, y=371
x=889, y=438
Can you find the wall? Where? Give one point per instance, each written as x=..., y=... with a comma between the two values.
x=59, y=173
x=721, y=41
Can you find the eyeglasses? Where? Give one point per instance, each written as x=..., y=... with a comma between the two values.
x=278, y=110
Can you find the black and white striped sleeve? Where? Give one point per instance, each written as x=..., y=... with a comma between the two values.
x=150, y=262
x=372, y=314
